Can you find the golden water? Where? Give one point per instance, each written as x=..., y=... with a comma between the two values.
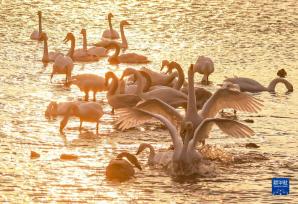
x=244, y=38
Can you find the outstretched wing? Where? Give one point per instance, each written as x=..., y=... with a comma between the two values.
x=230, y=98
x=230, y=127
x=131, y=117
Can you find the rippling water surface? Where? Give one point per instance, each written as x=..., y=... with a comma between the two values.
x=244, y=38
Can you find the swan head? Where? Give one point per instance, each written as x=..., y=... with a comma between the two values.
x=164, y=63
x=131, y=158
x=51, y=110
x=127, y=72
x=124, y=23
x=43, y=36
x=39, y=13
x=68, y=37
x=110, y=15
x=109, y=75
x=148, y=80
x=282, y=73
x=142, y=147
x=83, y=31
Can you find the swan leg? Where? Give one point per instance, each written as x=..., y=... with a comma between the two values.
x=86, y=95
x=113, y=111
x=51, y=77
x=97, y=124
x=94, y=96
x=81, y=123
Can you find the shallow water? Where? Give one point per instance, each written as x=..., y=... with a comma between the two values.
x=244, y=38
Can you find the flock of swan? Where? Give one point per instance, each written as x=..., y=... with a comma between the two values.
x=144, y=95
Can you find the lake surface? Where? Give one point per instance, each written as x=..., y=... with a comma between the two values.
x=244, y=38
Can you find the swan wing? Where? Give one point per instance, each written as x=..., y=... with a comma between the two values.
x=131, y=117
x=230, y=98
x=230, y=127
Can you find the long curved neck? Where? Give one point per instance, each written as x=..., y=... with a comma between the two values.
x=39, y=24
x=181, y=77
x=66, y=117
x=84, y=41
x=71, y=50
x=113, y=86
x=151, y=153
x=139, y=82
x=274, y=82
x=110, y=24
x=45, y=51
x=170, y=78
x=117, y=52
x=191, y=102
x=123, y=37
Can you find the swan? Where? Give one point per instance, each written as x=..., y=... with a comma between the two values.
x=88, y=111
x=55, y=109
x=80, y=54
x=104, y=42
x=133, y=88
x=120, y=169
x=118, y=100
x=48, y=56
x=89, y=82
x=36, y=34
x=205, y=66
x=131, y=58
x=250, y=85
x=159, y=158
x=96, y=51
x=62, y=65
x=224, y=97
x=281, y=73
x=110, y=33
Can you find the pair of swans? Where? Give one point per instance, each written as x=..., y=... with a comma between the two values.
x=120, y=169
x=194, y=127
x=130, y=58
x=85, y=111
x=89, y=82
x=251, y=85
x=123, y=44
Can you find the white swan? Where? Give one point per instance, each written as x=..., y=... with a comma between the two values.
x=110, y=33
x=118, y=100
x=222, y=98
x=48, y=56
x=120, y=169
x=95, y=51
x=105, y=42
x=205, y=66
x=62, y=65
x=79, y=54
x=36, y=34
x=89, y=82
x=55, y=109
x=89, y=112
x=130, y=58
x=250, y=85
x=162, y=158
x=133, y=88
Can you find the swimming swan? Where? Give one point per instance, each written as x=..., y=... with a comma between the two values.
x=36, y=34
x=130, y=58
x=110, y=33
x=250, y=85
x=120, y=169
x=89, y=112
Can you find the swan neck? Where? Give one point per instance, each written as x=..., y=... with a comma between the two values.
x=191, y=102
x=113, y=86
x=71, y=50
x=110, y=24
x=45, y=51
x=39, y=24
x=181, y=77
x=123, y=37
x=117, y=52
x=84, y=41
x=139, y=82
x=274, y=82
